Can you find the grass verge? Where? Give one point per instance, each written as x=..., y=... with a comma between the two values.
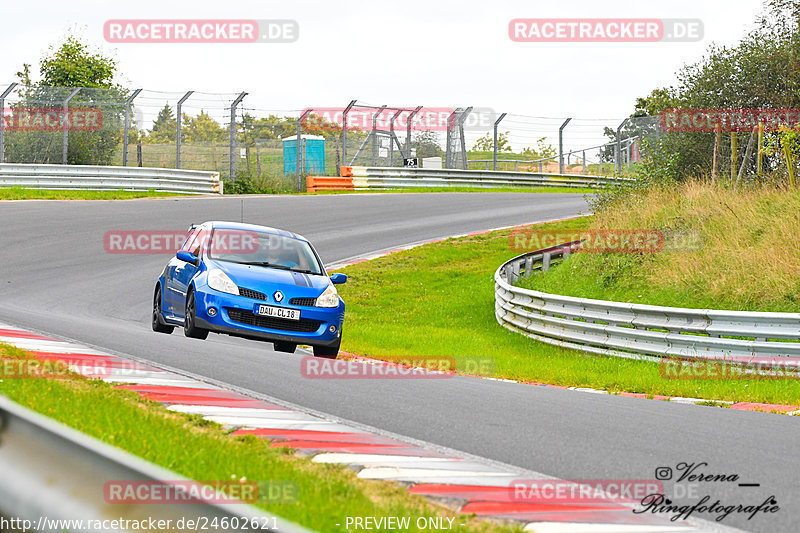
x=327, y=493
x=438, y=300
x=723, y=249
x=20, y=193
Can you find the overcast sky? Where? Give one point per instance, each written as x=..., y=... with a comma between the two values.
x=414, y=52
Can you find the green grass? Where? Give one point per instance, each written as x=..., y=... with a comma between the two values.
x=19, y=193
x=438, y=300
x=202, y=450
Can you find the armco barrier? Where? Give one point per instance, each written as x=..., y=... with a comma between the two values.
x=326, y=183
x=634, y=330
x=50, y=470
x=403, y=177
x=83, y=177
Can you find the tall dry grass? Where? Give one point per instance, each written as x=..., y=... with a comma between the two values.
x=736, y=246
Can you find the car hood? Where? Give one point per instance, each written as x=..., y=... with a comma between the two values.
x=265, y=279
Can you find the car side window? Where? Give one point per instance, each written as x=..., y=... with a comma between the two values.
x=189, y=240
x=200, y=239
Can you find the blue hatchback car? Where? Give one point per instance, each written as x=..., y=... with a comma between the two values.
x=254, y=282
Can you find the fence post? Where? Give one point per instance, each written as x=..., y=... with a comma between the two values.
x=618, y=151
x=232, y=131
x=585, y=167
x=408, y=130
x=734, y=153
x=759, y=158
x=299, y=157
x=344, y=131
x=65, y=141
x=178, y=136
x=393, y=137
x=496, y=122
x=461, y=120
x=561, y=146
x=128, y=103
x=2, y=114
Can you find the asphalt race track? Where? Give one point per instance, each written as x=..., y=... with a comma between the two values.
x=56, y=278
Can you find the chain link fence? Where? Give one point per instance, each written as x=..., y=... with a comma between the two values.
x=220, y=132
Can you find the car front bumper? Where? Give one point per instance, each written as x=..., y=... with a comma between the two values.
x=235, y=315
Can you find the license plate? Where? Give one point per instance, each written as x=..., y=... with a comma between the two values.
x=278, y=312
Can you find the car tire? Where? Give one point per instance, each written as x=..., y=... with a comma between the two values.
x=327, y=352
x=157, y=321
x=288, y=347
x=189, y=327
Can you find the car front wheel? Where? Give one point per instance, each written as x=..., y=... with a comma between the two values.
x=327, y=352
x=189, y=327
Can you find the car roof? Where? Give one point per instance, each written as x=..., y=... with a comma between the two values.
x=221, y=224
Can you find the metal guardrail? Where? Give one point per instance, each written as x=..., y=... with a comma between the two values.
x=634, y=330
x=51, y=473
x=403, y=177
x=84, y=177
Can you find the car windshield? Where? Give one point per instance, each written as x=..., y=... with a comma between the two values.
x=263, y=249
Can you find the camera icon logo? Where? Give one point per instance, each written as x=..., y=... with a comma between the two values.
x=663, y=473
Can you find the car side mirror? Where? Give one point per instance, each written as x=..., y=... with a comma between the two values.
x=338, y=278
x=186, y=257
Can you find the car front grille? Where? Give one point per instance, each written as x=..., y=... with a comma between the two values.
x=308, y=302
x=252, y=294
x=251, y=319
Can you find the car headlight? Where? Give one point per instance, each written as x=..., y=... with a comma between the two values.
x=328, y=298
x=219, y=280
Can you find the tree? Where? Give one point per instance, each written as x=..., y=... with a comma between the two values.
x=426, y=144
x=202, y=128
x=542, y=150
x=486, y=143
x=165, y=127
x=69, y=65
x=760, y=71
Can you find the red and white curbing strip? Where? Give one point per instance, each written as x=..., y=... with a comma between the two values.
x=473, y=487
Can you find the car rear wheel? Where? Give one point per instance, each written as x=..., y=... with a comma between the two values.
x=157, y=321
x=288, y=347
x=189, y=327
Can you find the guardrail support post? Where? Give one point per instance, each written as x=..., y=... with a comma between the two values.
x=299, y=157
x=232, y=131
x=65, y=141
x=2, y=115
x=344, y=131
x=496, y=122
x=561, y=146
x=545, y=261
x=618, y=154
x=128, y=103
x=178, y=120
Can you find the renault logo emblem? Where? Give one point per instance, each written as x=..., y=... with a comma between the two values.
x=278, y=296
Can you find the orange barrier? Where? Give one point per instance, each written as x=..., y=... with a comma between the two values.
x=328, y=183
x=346, y=172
